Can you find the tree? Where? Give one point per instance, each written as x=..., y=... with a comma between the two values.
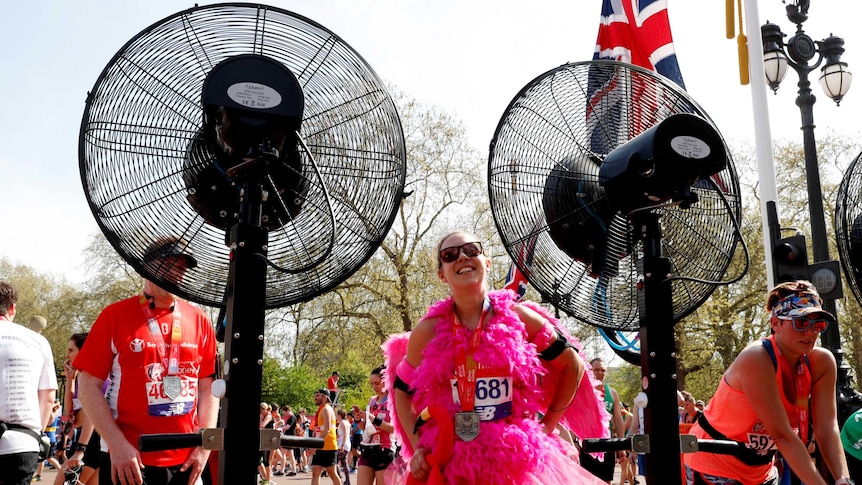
x=710, y=338
x=444, y=187
x=110, y=278
x=50, y=296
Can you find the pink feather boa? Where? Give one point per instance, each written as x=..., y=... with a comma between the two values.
x=510, y=450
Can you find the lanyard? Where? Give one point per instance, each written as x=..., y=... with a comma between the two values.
x=465, y=365
x=379, y=404
x=172, y=364
x=802, y=386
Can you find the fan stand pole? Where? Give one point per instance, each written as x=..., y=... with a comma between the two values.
x=243, y=369
x=658, y=355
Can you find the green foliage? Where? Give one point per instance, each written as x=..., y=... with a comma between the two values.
x=293, y=385
x=626, y=380
x=50, y=296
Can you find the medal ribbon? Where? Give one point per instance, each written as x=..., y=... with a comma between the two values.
x=802, y=386
x=172, y=364
x=465, y=366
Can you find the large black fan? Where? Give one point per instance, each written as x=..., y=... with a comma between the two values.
x=160, y=161
x=848, y=225
x=258, y=149
x=550, y=201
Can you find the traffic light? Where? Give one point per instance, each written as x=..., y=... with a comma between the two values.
x=826, y=277
x=791, y=259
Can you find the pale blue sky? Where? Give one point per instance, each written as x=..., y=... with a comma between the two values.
x=468, y=57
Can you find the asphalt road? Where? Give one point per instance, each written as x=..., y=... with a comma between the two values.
x=48, y=476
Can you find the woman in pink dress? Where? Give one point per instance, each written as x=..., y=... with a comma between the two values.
x=495, y=365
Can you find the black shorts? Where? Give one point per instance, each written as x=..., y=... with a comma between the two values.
x=18, y=468
x=156, y=475
x=93, y=454
x=376, y=457
x=354, y=441
x=324, y=458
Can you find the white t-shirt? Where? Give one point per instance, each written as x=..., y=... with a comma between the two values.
x=26, y=367
x=343, y=435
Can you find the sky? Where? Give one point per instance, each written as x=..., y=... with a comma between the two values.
x=468, y=57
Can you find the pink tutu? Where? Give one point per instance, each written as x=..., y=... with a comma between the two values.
x=512, y=449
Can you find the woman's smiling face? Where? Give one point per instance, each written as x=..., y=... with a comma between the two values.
x=464, y=270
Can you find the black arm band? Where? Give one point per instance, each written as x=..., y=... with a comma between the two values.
x=402, y=386
x=377, y=421
x=78, y=447
x=555, y=349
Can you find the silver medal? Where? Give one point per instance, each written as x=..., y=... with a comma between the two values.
x=173, y=386
x=467, y=425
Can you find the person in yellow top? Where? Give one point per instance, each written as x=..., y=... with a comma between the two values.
x=324, y=459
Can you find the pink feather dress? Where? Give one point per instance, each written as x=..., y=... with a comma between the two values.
x=511, y=448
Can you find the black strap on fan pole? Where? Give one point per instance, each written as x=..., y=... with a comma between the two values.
x=658, y=356
x=243, y=369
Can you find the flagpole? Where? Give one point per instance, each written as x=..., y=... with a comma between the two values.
x=762, y=132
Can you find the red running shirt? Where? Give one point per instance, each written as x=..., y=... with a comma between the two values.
x=120, y=346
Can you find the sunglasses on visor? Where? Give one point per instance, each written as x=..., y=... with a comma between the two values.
x=802, y=324
x=452, y=253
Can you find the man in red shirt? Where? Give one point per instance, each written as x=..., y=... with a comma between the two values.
x=160, y=354
x=332, y=386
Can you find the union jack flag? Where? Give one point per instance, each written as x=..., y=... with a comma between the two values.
x=632, y=31
x=515, y=279
x=638, y=32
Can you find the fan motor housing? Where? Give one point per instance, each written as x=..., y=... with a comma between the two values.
x=253, y=108
x=662, y=163
x=258, y=89
x=577, y=211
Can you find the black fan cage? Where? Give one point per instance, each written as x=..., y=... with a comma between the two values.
x=848, y=225
x=560, y=127
x=143, y=120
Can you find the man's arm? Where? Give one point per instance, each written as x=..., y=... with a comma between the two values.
x=634, y=426
x=207, y=404
x=207, y=409
x=125, y=459
x=619, y=428
x=328, y=417
x=46, y=406
x=824, y=413
x=84, y=436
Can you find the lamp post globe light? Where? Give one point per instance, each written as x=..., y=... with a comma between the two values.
x=835, y=78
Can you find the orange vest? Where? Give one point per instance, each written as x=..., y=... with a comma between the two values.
x=730, y=413
x=330, y=442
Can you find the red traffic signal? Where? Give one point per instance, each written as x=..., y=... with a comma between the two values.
x=791, y=259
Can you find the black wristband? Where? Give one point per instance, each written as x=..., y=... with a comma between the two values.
x=377, y=421
x=402, y=386
x=555, y=349
x=78, y=447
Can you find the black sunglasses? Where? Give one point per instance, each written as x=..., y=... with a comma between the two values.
x=452, y=253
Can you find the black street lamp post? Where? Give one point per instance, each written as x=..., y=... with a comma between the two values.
x=835, y=80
